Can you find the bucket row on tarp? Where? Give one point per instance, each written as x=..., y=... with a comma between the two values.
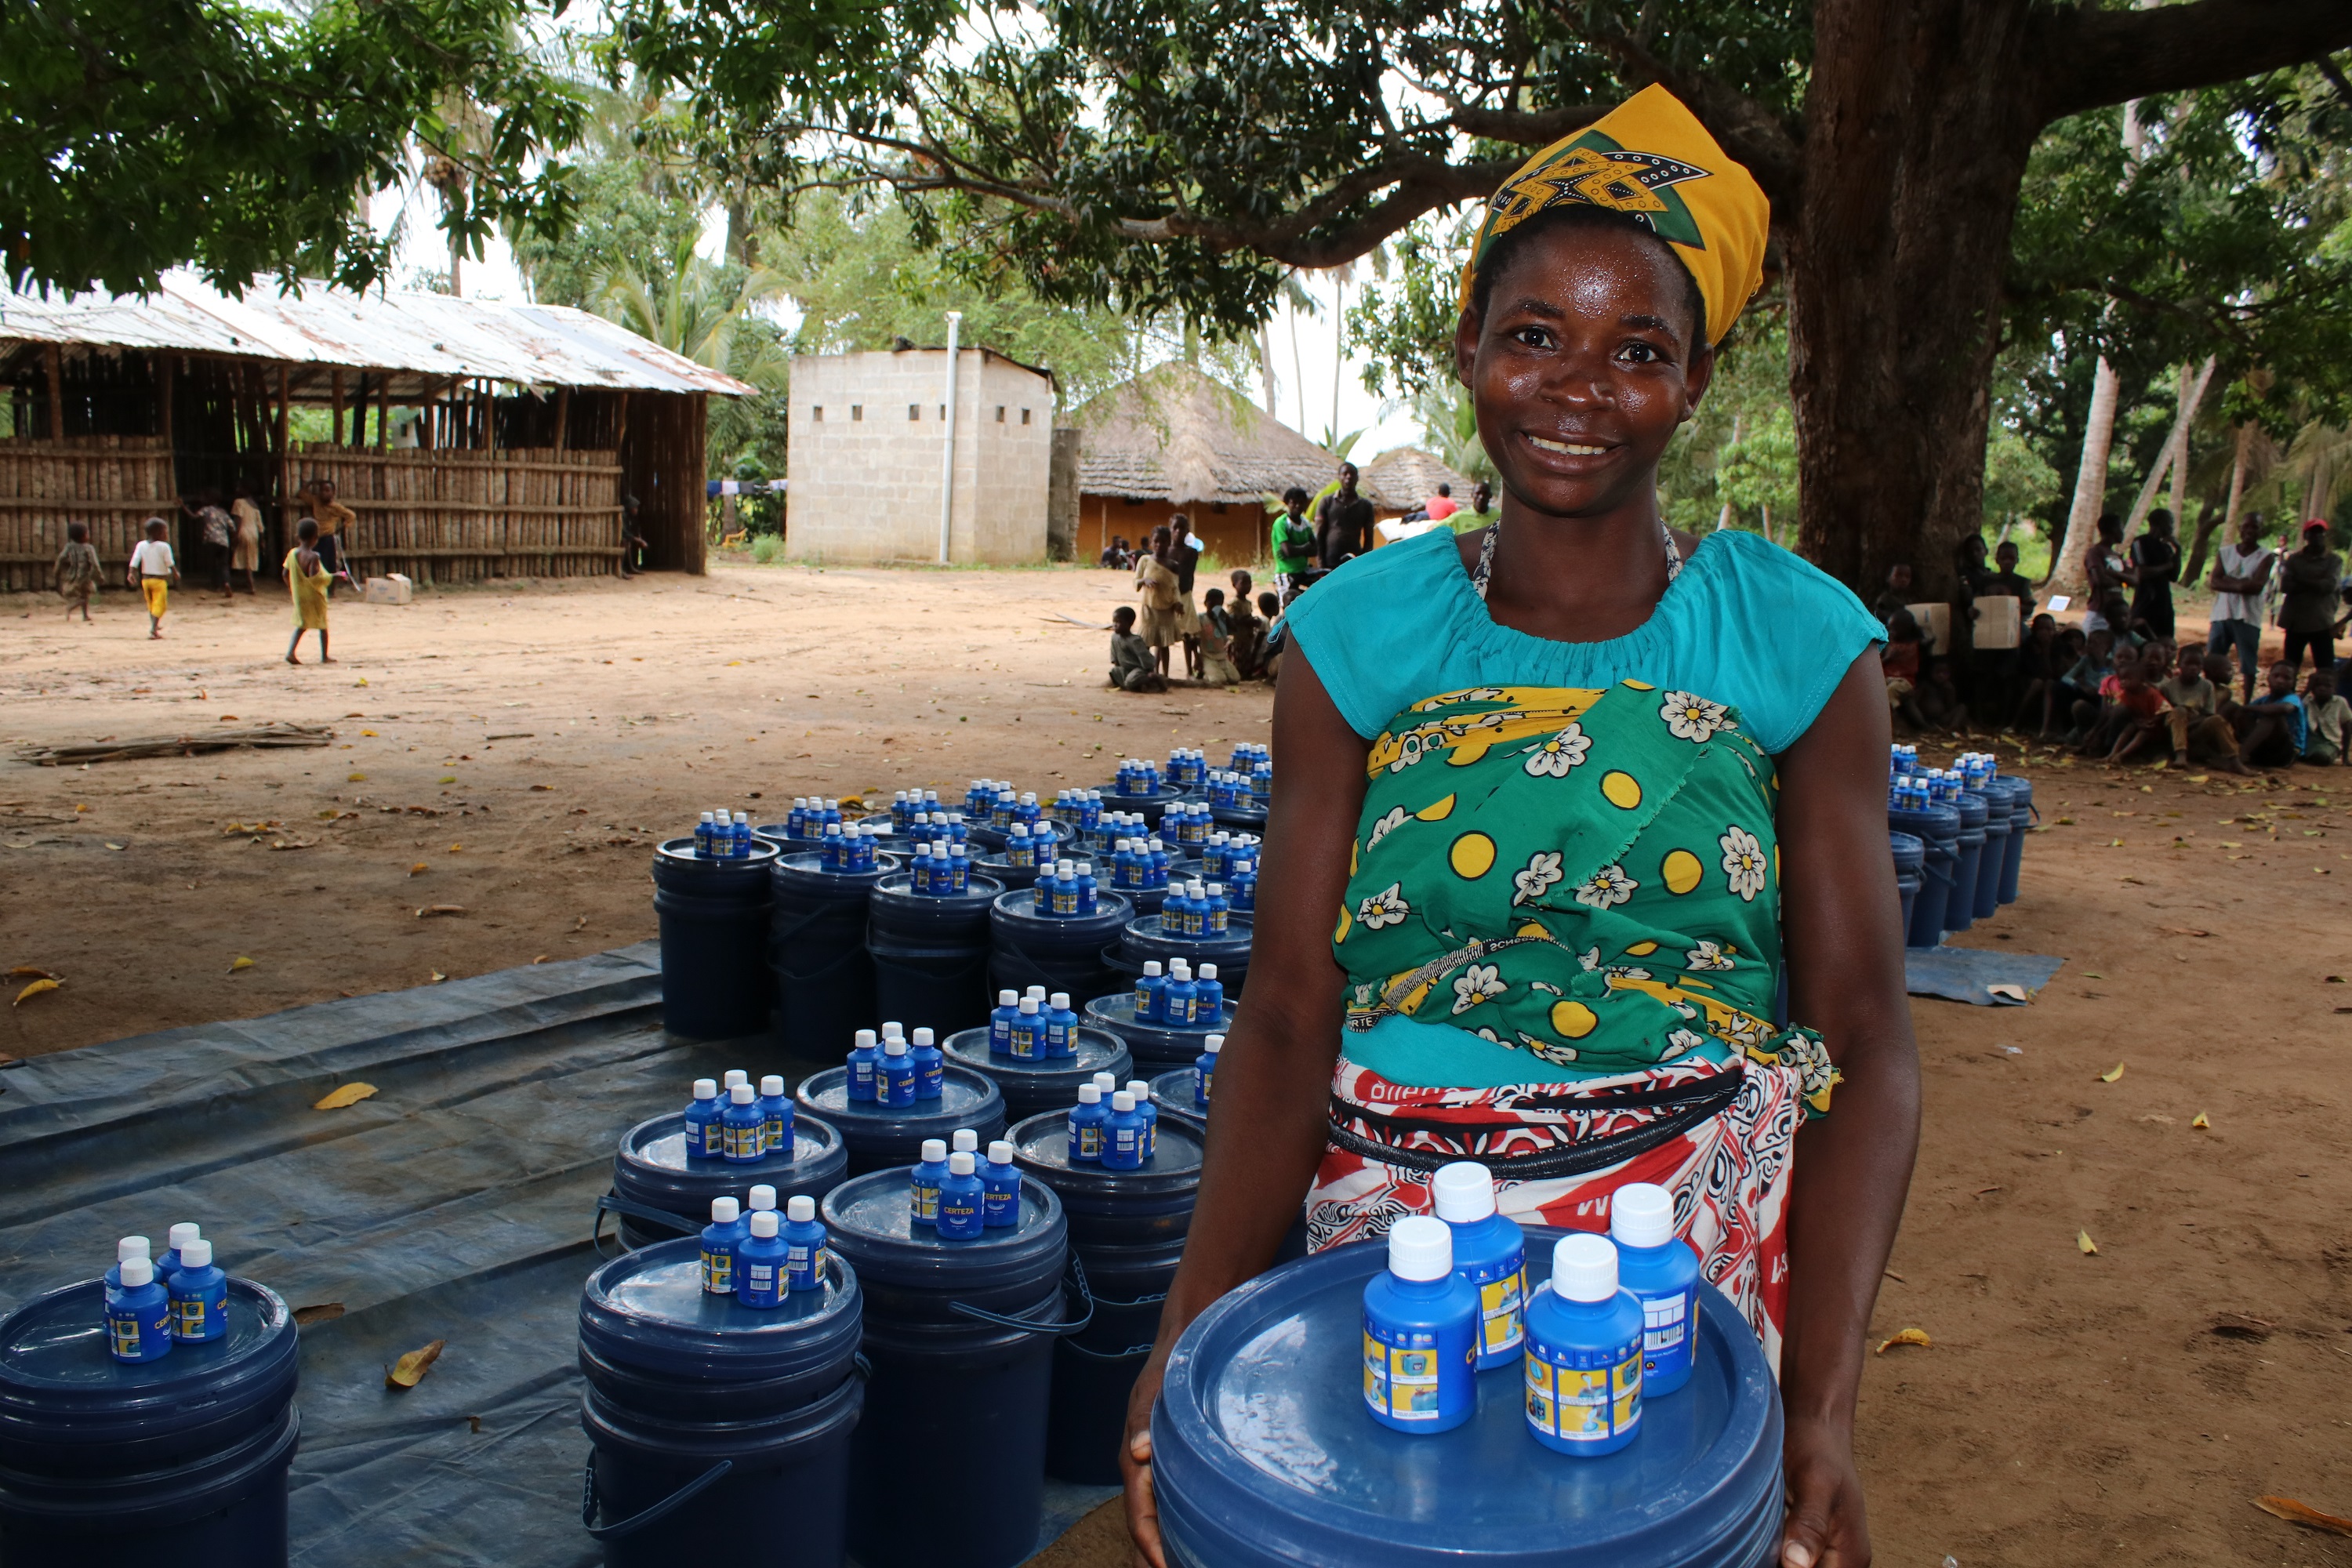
x=179, y=1459
x=1970, y=857
x=714, y=916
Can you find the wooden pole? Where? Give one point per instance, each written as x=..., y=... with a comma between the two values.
x=562, y=416
x=56, y=361
x=285, y=453
x=338, y=405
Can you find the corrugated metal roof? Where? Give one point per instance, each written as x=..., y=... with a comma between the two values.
x=433, y=336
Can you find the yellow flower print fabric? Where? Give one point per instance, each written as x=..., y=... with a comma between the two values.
x=1586, y=876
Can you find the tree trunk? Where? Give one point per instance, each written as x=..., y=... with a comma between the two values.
x=2175, y=455
x=2066, y=572
x=1915, y=145
x=2188, y=574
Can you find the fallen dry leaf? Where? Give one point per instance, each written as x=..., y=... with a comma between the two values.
x=542, y=786
x=2200, y=1121
x=237, y=963
x=28, y=972
x=2083, y=1240
x=35, y=989
x=111, y=844
x=2112, y=1074
x=351, y=1094
x=2239, y=1326
x=2183, y=930
x=2302, y=1513
x=1907, y=1337
x=540, y=959
x=419, y=869
x=2155, y=1116
x=356, y=778
x=438, y=978
x=318, y=1312
x=409, y=1370
x=440, y=910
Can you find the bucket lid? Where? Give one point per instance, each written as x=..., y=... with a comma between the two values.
x=1149, y=935
x=655, y=1147
x=967, y=1099
x=1158, y=1042
x=1016, y=910
x=870, y=1221
x=1263, y=1452
x=897, y=893
x=1910, y=850
x=1041, y=1146
x=676, y=857
x=647, y=1310
x=1239, y=816
x=1099, y=1051
x=59, y=1384
x=1930, y=823
x=1974, y=808
x=805, y=872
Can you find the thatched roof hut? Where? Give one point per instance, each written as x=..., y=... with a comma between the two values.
x=1401, y=478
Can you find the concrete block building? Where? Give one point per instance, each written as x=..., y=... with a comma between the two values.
x=869, y=434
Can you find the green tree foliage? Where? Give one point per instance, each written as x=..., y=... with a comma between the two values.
x=136, y=135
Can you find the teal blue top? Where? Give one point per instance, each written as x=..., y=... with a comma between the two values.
x=1746, y=624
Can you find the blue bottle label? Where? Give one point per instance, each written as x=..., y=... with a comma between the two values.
x=1502, y=1287
x=1028, y=1038
x=1583, y=1396
x=122, y=1332
x=773, y=1133
x=927, y=1202
x=745, y=1141
x=718, y=1272
x=959, y=1216
x=1666, y=1331
x=804, y=1265
x=190, y=1318
x=1090, y=1141
x=760, y=1279
x=1402, y=1371
x=714, y=1139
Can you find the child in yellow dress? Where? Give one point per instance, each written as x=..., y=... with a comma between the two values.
x=152, y=573
x=306, y=579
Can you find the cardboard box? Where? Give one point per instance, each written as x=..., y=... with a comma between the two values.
x=393, y=590
x=1935, y=625
x=1997, y=622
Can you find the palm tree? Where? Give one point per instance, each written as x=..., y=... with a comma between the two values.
x=693, y=307
x=1449, y=424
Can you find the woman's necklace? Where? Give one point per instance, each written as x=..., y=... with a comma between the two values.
x=1485, y=568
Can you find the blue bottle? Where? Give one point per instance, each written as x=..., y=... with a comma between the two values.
x=830, y=817
x=1219, y=910
x=1041, y=892
x=1160, y=863
x=1140, y=1090
x=899, y=1076
x=168, y=1264
x=1262, y=784
x=706, y=1138
x=923, y=1181
x=1209, y=999
x=930, y=1066
x=865, y=1070
x=918, y=870
x=830, y=847
x=1061, y=1026
x=1123, y=873
x=702, y=837
x=1090, y=891
x=1584, y=1353
x=760, y=1264
x=1176, y=912
x=962, y=1199
x=1662, y=1271
x=1204, y=1072
x=721, y=1238
x=1000, y=1181
x=1066, y=889
x=796, y=819
x=1420, y=1333
x=199, y=1296
x=740, y=848
x=959, y=868
x=775, y=1116
x=129, y=1248
x=804, y=1240
x=1020, y=850
x=1000, y=1022
x=1028, y=1043
x=137, y=1313
x=1180, y=1000
x=743, y=1126
x=1122, y=1134
x=1150, y=995
x=1490, y=1254
x=1087, y=1119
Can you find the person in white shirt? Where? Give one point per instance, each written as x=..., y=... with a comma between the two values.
x=153, y=573
x=2241, y=572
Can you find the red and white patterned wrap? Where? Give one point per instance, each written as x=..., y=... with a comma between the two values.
x=1729, y=1174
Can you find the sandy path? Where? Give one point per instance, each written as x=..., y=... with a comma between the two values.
x=2072, y=1409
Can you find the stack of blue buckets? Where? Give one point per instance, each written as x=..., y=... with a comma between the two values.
x=1958, y=837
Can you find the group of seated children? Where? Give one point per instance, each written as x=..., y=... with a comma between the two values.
x=2126, y=696
x=1236, y=642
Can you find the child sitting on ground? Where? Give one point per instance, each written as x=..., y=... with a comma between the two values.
x=1217, y=666
x=2272, y=729
x=77, y=570
x=1898, y=661
x=1244, y=632
x=2328, y=719
x=1132, y=667
x=1269, y=656
x=2200, y=733
x=152, y=573
x=306, y=579
x=2135, y=717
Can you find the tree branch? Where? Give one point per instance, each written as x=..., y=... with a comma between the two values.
x=2095, y=58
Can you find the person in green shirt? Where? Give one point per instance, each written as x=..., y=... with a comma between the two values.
x=1294, y=545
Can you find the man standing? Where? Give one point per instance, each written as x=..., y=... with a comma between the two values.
x=1184, y=560
x=2103, y=564
x=1294, y=545
x=2155, y=562
x=2307, y=587
x=2241, y=572
x=1343, y=521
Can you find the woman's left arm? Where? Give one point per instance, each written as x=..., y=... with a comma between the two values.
x=1843, y=938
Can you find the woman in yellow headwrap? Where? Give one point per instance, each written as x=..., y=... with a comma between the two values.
x=1565, y=807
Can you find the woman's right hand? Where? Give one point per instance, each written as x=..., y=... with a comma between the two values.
x=1135, y=1464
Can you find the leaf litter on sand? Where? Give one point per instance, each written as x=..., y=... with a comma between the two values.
x=348, y=1095
x=409, y=1370
x=35, y=989
x=1907, y=1337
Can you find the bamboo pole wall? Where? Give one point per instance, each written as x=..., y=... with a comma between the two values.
x=113, y=484
x=458, y=516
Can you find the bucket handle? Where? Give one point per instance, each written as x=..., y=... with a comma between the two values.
x=1078, y=1280
x=659, y=1510
x=1130, y=1353
x=612, y=1203
x=1929, y=868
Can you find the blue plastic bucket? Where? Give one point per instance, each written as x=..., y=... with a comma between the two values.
x=1960, y=908
x=182, y=1459
x=930, y=953
x=1031, y=1086
x=1142, y=1208
x=775, y=833
x=878, y=1136
x=1264, y=1456
x=950, y=1459
x=1937, y=827
x=1004, y=872
x=1060, y=952
x=2021, y=816
x=659, y=1193
x=714, y=931
x=1175, y=1092
x=816, y=944
x=1242, y=818
x=1910, y=858
x=1145, y=938
x=1986, y=895
x=1155, y=1047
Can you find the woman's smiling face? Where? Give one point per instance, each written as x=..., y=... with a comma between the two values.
x=1583, y=366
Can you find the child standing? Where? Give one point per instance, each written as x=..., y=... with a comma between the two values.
x=1217, y=666
x=153, y=573
x=306, y=579
x=77, y=570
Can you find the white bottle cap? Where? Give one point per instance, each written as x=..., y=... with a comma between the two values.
x=939, y=847
x=934, y=1151
x=1216, y=889
x=799, y=1209
x=894, y=1031
x=1020, y=830
x=1463, y=1192
x=184, y=1232
x=801, y=801
x=1139, y=1090
x=1106, y=1081
x=706, y=1088
x=1642, y=1214
x=129, y=1248
x=1216, y=1044
x=1208, y=972
x=764, y=1223
x=1065, y=868
x=704, y=818
x=1007, y=998
x=742, y=816
x=136, y=1271
x=893, y=1049
x=1420, y=1247
x=965, y=1139
x=1089, y=1094
x=742, y=1094
x=831, y=803
x=963, y=1162
x=1037, y=993
x=1243, y=868
x=1178, y=970
x=735, y=1076
x=1029, y=1005
x=1194, y=889
x=1121, y=846
x=771, y=1086
x=763, y=1196
x=1584, y=1268
x=866, y=1039
x=1151, y=967
x=1060, y=1001
x=999, y=1152
x=923, y=1037
x=833, y=830
x=1123, y=1102
x=1085, y=868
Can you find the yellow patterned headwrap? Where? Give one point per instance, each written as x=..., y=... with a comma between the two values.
x=1650, y=159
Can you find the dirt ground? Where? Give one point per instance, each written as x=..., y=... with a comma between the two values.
x=515, y=751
